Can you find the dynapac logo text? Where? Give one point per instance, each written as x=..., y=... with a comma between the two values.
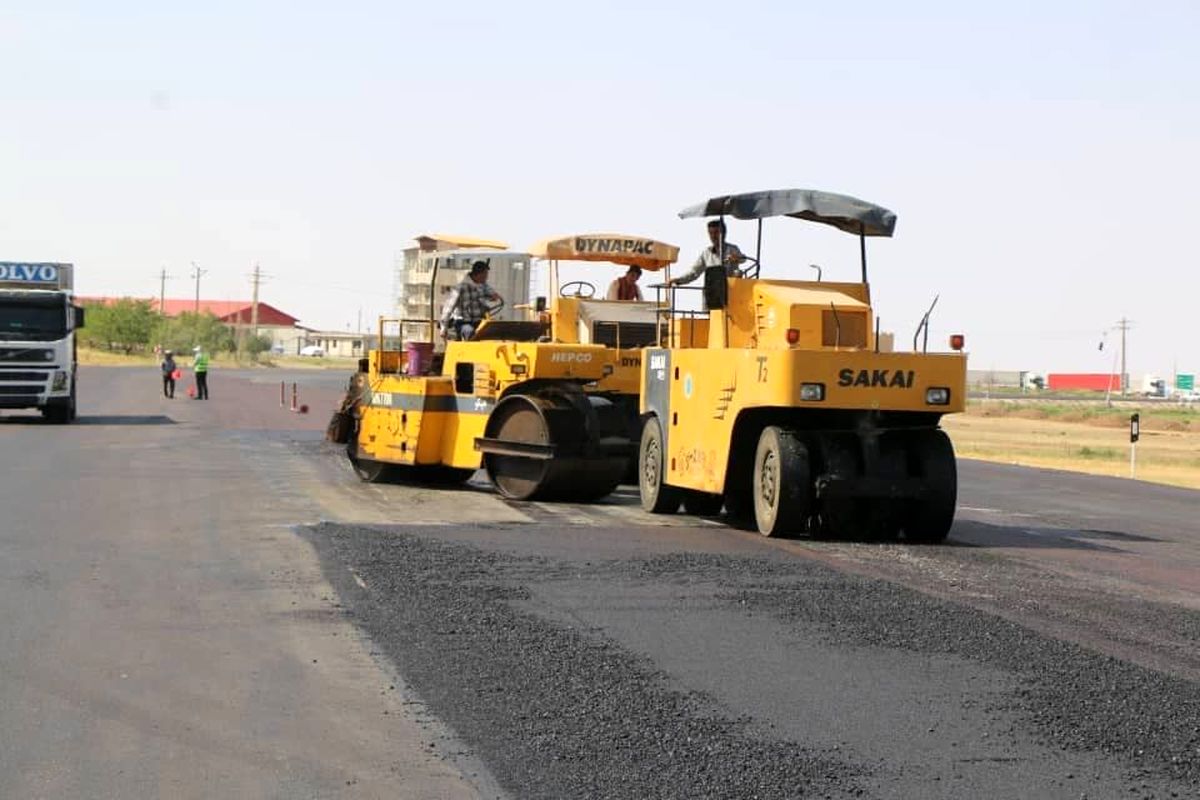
x=886, y=378
x=590, y=245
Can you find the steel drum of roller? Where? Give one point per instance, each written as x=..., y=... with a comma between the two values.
x=554, y=446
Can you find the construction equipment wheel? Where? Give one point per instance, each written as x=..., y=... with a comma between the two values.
x=702, y=504
x=854, y=518
x=782, y=483
x=657, y=497
x=373, y=471
x=367, y=469
x=931, y=457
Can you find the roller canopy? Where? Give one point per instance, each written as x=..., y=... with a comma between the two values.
x=841, y=211
x=612, y=248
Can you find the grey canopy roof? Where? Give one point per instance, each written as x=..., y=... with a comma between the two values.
x=841, y=211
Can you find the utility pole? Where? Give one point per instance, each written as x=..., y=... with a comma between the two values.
x=1123, y=326
x=196, y=273
x=258, y=276
x=162, y=290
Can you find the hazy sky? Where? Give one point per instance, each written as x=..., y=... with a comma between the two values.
x=1041, y=157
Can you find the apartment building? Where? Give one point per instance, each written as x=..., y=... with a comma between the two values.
x=414, y=282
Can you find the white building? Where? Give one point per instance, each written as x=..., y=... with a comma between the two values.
x=413, y=277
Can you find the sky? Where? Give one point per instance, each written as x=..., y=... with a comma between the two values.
x=1041, y=158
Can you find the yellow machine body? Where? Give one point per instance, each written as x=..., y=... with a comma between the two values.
x=709, y=383
x=783, y=403
x=547, y=405
x=434, y=420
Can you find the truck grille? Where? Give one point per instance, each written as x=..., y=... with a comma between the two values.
x=39, y=354
x=23, y=376
x=19, y=389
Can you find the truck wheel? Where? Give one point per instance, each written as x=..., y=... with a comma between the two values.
x=782, y=483
x=657, y=497
x=931, y=457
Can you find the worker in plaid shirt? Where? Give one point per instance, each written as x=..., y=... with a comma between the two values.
x=468, y=304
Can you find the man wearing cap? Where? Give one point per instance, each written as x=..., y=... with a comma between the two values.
x=468, y=303
x=721, y=253
x=200, y=368
x=168, y=373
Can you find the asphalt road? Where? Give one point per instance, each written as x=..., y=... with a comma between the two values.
x=201, y=600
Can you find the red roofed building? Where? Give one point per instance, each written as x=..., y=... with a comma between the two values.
x=281, y=327
x=232, y=312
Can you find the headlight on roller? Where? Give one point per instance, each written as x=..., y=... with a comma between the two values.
x=60, y=381
x=937, y=396
x=812, y=391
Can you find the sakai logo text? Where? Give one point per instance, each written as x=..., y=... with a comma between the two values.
x=578, y=358
x=886, y=378
x=591, y=245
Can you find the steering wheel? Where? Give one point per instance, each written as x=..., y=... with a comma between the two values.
x=591, y=289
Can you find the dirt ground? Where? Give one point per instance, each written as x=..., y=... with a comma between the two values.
x=1163, y=456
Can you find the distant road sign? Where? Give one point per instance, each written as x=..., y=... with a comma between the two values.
x=1135, y=428
x=1185, y=382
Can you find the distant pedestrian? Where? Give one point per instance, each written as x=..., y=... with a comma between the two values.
x=168, y=373
x=200, y=368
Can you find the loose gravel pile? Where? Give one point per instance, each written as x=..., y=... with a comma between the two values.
x=554, y=711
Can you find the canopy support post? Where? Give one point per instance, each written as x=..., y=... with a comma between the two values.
x=862, y=249
x=758, y=250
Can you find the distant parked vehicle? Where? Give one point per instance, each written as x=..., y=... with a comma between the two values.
x=313, y=351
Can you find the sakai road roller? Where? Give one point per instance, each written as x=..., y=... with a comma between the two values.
x=547, y=406
x=782, y=402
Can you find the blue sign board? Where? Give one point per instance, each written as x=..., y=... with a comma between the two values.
x=21, y=272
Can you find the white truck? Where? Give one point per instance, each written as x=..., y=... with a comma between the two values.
x=38, y=320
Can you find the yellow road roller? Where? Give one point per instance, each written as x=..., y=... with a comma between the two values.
x=782, y=402
x=547, y=405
